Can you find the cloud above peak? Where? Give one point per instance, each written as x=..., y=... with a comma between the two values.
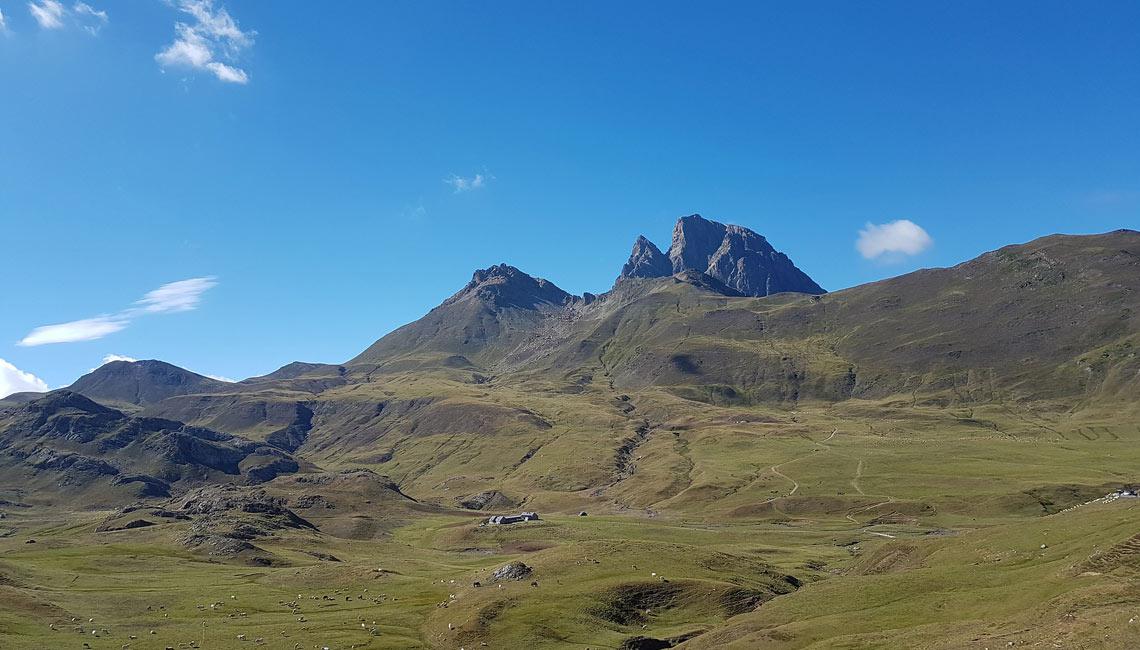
x=207, y=42
x=14, y=380
x=892, y=240
x=108, y=358
x=183, y=295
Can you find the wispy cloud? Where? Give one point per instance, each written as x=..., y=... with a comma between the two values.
x=3, y=24
x=892, y=240
x=48, y=13
x=87, y=329
x=183, y=295
x=52, y=14
x=212, y=38
x=92, y=19
x=14, y=380
x=467, y=184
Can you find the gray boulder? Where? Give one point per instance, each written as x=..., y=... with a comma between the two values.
x=511, y=571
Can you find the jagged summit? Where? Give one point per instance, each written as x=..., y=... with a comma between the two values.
x=740, y=258
x=503, y=285
x=646, y=261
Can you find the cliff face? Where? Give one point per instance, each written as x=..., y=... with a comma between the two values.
x=646, y=261
x=736, y=256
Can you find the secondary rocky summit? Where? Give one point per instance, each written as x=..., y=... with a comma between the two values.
x=736, y=256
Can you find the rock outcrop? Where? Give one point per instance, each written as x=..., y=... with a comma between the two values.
x=646, y=261
x=511, y=571
x=734, y=255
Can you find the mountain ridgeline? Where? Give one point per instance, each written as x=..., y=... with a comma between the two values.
x=721, y=320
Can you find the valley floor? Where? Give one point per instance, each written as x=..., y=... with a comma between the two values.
x=1061, y=580
x=858, y=525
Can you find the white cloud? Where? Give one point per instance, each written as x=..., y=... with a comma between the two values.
x=14, y=380
x=897, y=238
x=3, y=23
x=90, y=18
x=183, y=295
x=461, y=184
x=108, y=358
x=87, y=329
x=51, y=14
x=212, y=34
x=48, y=13
x=227, y=73
x=221, y=378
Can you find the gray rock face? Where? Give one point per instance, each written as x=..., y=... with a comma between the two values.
x=737, y=257
x=511, y=571
x=646, y=261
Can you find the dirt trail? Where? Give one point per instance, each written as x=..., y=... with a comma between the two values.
x=777, y=472
x=849, y=516
x=775, y=469
x=858, y=475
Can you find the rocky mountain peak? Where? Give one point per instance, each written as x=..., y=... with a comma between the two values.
x=646, y=261
x=739, y=258
x=695, y=239
x=503, y=285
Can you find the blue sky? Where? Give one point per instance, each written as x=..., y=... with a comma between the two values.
x=333, y=171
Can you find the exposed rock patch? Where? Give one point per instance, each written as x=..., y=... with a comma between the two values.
x=511, y=571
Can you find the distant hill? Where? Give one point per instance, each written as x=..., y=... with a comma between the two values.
x=142, y=382
x=66, y=443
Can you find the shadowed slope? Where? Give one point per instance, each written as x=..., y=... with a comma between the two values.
x=142, y=382
x=70, y=443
